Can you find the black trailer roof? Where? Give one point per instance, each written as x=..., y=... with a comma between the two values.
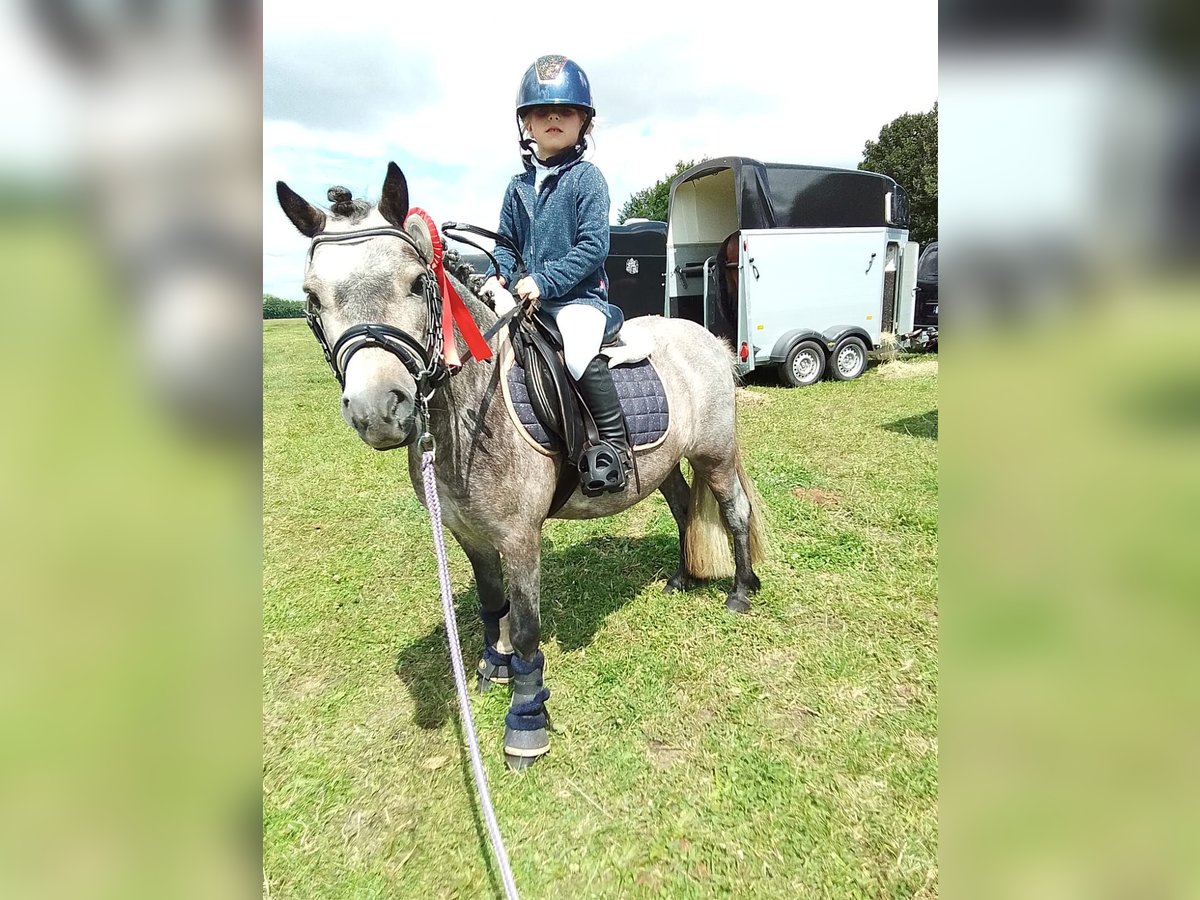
x=782, y=195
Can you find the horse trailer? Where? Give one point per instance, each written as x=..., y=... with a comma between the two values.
x=803, y=268
x=637, y=267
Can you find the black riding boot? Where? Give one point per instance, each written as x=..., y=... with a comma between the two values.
x=602, y=466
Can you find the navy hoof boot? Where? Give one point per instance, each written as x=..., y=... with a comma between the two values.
x=527, y=725
x=494, y=668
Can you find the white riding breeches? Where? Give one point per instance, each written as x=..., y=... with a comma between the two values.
x=582, y=328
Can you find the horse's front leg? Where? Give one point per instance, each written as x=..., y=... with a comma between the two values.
x=495, y=662
x=527, y=733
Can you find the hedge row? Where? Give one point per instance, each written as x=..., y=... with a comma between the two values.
x=278, y=308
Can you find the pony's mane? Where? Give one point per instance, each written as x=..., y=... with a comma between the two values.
x=346, y=207
x=461, y=270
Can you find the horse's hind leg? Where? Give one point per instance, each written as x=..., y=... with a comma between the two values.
x=495, y=662
x=722, y=478
x=677, y=492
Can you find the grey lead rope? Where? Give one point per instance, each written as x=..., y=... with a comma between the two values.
x=460, y=677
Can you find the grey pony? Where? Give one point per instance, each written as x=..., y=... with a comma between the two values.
x=495, y=488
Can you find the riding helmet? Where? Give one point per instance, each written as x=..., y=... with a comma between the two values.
x=554, y=81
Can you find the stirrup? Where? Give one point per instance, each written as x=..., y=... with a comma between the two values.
x=602, y=469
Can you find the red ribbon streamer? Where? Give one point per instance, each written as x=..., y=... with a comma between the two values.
x=454, y=310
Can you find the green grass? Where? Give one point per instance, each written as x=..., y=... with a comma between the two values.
x=788, y=753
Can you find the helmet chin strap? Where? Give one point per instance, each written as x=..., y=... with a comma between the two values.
x=565, y=156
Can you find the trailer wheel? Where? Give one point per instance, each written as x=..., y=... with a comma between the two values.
x=805, y=365
x=849, y=359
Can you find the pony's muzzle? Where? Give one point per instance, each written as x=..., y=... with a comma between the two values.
x=383, y=418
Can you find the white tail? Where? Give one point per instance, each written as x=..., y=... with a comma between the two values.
x=707, y=541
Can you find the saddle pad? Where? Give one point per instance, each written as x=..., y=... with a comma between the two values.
x=643, y=401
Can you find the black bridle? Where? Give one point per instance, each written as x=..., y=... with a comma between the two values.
x=423, y=361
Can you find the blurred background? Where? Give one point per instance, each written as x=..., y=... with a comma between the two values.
x=130, y=222
x=130, y=472
x=1070, y=200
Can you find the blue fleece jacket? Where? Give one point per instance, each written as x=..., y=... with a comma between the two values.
x=562, y=232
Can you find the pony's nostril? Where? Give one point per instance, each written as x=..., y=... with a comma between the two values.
x=399, y=398
x=345, y=401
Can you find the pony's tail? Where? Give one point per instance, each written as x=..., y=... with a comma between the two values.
x=760, y=539
x=707, y=540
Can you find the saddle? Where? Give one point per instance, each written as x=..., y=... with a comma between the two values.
x=537, y=347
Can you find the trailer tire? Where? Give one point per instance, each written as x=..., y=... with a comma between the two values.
x=804, y=365
x=848, y=360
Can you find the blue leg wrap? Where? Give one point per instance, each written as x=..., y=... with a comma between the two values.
x=493, y=618
x=527, y=735
x=494, y=666
x=530, y=713
x=528, y=668
x=495, y=657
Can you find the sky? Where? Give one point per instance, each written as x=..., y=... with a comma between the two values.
x=348, y=88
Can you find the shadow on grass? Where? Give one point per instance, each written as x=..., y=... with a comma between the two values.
x=924, y=425
x=581, y=586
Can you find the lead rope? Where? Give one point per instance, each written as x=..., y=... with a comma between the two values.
x=460, y=677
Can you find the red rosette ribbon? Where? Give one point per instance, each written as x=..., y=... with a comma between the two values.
x=454, y=311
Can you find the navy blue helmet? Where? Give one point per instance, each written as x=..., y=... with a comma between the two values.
x=554, y=81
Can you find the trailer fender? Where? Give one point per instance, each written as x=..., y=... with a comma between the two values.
x=832, y=336
x=790, y=339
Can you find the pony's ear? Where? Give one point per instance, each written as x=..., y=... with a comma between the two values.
x=418, y=230
x=393, y=204
x=309, y=220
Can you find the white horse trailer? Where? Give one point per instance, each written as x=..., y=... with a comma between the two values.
x=800, y=267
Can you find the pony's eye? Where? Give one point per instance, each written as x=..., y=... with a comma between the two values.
x=313, y=303
x=419, y=285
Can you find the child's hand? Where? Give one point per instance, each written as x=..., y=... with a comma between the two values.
x=502, y=300
x=527, y=289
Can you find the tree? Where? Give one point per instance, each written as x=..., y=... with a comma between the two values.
x=907, y=150
x=652, y=202
x=278, y=308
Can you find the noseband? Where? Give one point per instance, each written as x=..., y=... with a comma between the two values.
x=423, y=361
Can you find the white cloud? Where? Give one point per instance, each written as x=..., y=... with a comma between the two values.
x=809, y=86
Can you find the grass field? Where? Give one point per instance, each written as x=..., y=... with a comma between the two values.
x=789, y=753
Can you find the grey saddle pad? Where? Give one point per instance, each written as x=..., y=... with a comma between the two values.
x=642, y=399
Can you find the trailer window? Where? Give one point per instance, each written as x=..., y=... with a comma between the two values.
x=898, y=207
x=927, y=269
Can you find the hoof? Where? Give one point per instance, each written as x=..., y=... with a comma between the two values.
x=737, y=604
x=523, y=748
x=519, y=763
x=680, y=581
